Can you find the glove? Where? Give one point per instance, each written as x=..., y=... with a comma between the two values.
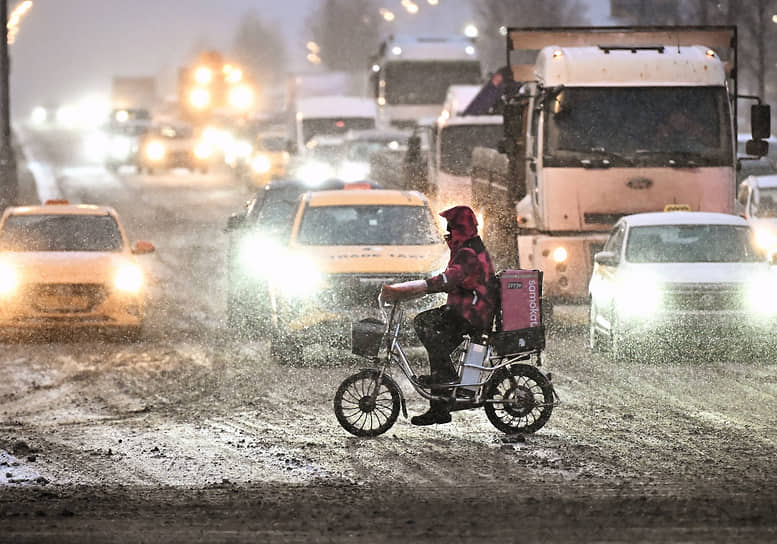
x=403, y=291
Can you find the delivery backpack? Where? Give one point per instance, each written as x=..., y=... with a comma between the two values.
x=518, y=320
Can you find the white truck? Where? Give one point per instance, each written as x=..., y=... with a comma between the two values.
x=411, y=75
x=605, y=122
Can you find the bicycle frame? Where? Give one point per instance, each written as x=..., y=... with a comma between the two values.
x=459, y=395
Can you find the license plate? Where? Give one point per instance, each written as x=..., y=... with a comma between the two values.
x=62, y=303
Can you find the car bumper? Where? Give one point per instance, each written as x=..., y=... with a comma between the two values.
x=84, y=306
x=686, y=325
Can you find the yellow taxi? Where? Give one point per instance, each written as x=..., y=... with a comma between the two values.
x=64, y=265
x=344, y=245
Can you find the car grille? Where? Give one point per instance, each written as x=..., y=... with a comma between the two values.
x=65, y=297
x=700, y=297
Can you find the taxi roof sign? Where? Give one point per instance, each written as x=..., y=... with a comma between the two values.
x=56, y=202
x=677, y=208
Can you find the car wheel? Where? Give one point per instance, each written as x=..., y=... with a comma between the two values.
x=129, y=335
x=621, y=347
x=285, y=348
x=595, y=342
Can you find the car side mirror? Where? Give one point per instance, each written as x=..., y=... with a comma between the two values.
x=235, y=221
x=606, y=258
x=142, y=247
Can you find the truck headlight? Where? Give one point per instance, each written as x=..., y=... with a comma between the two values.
x=638, y=296
x=155, y=151
x=9, y=280
x=129, y=278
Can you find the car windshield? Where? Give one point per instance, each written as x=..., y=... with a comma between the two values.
x=368, y=225
x=334, y=125
x=60, y=233
x=272, y=143
x=362, y=150
x=691, y=244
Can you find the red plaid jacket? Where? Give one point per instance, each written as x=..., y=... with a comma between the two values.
x=470, y=283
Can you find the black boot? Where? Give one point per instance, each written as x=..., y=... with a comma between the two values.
x=437, y=414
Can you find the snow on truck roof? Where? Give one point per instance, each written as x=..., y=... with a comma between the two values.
x=336, y=106
x=593, y=66
x=439, y=48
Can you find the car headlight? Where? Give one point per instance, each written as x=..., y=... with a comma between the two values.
x=129, y=278
x=120, y=148
x=155, y=151
x=762, y=295
x=354, y=171
x=242, y=149
x=638, y=295
x=260, y=164
x=203, y=150
x=259, y=255
x=297, y=276
x=9, y=280
x=315, y=172
x=765, y=238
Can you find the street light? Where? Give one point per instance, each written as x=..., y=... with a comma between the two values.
x=15, y=18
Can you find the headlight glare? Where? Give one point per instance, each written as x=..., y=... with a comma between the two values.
x=260, y=164
x=129, y=278
x=638, y=295
x=155, y=151
x=9, y=280
x=298, y=276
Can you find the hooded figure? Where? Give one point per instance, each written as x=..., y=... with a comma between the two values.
x=471, y=285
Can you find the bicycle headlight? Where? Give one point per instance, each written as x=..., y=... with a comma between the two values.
x=129, y=278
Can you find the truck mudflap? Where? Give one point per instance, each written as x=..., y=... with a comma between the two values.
x=566, y=262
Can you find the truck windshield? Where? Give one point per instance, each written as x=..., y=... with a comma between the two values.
x=427, y=82
x=458, y=141
x=692, y=244
x=334, y=125
x=638, y=126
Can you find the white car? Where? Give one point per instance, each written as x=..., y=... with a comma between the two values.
x=757, y=196
x=665, y=276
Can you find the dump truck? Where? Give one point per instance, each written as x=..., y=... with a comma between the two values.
x=602, y=122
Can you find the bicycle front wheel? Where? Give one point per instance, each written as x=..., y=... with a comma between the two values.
x=363, y=411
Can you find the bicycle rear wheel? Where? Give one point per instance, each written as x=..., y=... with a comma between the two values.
x=519, y=399
x=359, y=411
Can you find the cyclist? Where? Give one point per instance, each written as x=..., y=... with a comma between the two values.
x=471, y=285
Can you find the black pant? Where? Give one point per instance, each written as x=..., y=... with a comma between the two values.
x=440, y=331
